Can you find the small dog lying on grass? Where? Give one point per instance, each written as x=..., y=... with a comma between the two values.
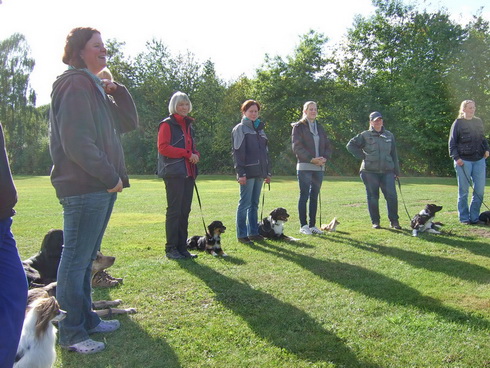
x=332, y=226
x=211, y=242
x=272, y=226
x=423, y=221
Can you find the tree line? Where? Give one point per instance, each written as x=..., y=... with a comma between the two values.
x=413, y=65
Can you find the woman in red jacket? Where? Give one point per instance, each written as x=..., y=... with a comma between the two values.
x=177, y=159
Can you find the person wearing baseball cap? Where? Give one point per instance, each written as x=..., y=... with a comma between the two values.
x=379, y=168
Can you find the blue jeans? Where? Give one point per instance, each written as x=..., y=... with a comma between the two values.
x=476, y=172
x=373, y=182
x=13, y=295
x=310, y=183
x=248, y=205
x=85, y=219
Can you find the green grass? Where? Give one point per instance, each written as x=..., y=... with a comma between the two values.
x=355, y=298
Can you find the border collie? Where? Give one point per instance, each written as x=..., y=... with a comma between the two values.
x=423, y=221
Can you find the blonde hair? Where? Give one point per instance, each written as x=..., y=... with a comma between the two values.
x=463, y=106
x=176, y=99
x=305, y=107
x=105, y=74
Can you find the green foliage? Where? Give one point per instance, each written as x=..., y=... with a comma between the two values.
x=413, y=65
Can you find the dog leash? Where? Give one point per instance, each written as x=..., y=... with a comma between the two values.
x=263, y=200
x=403, y=199
x=200, y=207
x=473, y=187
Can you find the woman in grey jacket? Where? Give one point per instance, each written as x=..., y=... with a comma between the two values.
x=312, y=149
x=86, y=119
x=376, y=148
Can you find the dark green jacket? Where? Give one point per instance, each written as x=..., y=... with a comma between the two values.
x=377, y=151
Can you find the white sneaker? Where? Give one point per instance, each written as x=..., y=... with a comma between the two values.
x=315, y=230
x=305, y=230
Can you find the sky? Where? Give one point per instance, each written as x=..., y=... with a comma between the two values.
x=234, y=35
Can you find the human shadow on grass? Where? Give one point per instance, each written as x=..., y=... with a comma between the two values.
x=130, y=346
x=451, y=267
x=375, y=285
x=462, y=242
x=279, y=323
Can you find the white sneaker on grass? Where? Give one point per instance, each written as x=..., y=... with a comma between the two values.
x=315, y=230
x=305, y=230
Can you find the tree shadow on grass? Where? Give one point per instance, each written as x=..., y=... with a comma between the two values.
x=279, y=323
x=375, y=285
x=450, y=267
x=462, y=242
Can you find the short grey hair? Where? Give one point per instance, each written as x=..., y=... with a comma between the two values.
x=174, y=101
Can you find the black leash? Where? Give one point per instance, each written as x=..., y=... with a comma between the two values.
x=263, y=200
x=200, y=207
x=403, y=199
x=473, y=187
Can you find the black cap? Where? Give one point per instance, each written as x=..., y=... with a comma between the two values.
x=375, y=115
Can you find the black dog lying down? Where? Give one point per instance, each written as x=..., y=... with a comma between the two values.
x=211, y=242
x=272, y=226
x=423, y=221
x=485, y=217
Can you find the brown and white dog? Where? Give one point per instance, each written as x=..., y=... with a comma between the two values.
x=332, y=226
x=211, y=242
x=37, y=343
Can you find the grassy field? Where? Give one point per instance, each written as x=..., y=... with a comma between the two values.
x=355, y=298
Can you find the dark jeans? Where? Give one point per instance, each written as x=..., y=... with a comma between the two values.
x=13, y=295
x=310, y=183
x=385, y=181
x=179, y=200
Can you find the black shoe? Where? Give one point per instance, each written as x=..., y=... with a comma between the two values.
x=245, y=240
x=376, y=226
x=256, y=237
x=187, y=254
x=395, y=225
x=173, y=253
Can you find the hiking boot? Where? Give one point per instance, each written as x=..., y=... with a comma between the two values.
x=245, y=240
x=102, y=279
x=173, y=253
x=395, y=225
x=187, y=254
x=256, y=237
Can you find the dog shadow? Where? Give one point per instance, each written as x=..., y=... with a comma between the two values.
x=287, y=327
x=375, y=285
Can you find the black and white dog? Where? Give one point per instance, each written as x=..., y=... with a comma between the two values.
x=272, y=226
x=423, y=221
x=485, y=217
x=211, y=242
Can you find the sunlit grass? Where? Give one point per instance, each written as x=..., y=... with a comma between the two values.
x=355, y=298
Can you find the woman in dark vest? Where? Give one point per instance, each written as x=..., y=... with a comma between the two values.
x=469, y=149
x=377, y=150
x=177, y=159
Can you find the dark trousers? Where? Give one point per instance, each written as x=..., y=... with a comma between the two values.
x=13, y=295
x=179, y=200
x=386, y=182
x=310, y=183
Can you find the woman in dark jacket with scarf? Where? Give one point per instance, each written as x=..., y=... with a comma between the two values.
x=312, y=149
x=252, y=166
x=177, y=159
x=469, y=149
x=86, y=119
